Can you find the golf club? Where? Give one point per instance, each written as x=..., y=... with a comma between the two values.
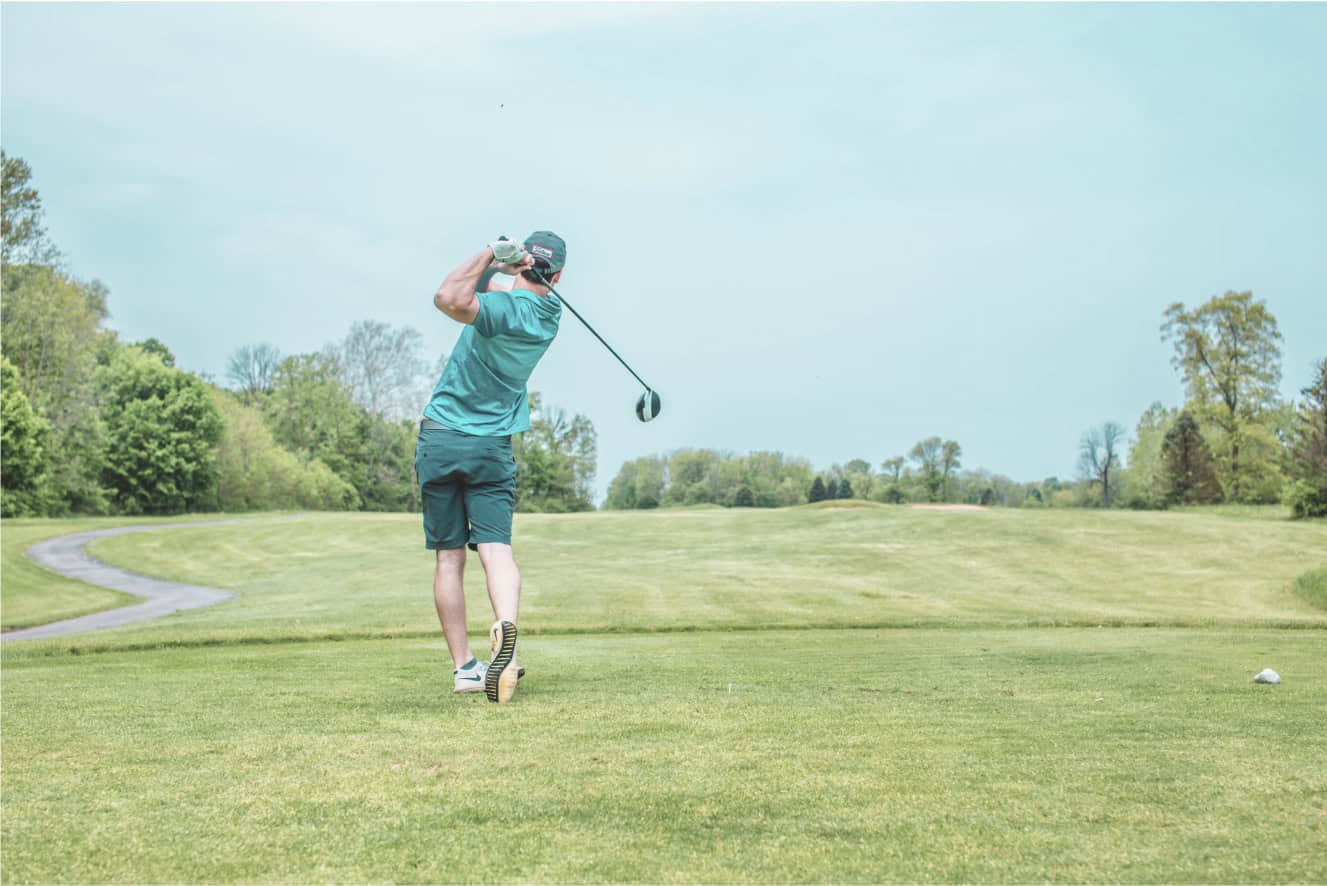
x=649, y=404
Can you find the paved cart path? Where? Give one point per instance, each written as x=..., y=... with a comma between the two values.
x=65, y=555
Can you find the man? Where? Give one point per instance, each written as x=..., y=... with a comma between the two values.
x=467, y=473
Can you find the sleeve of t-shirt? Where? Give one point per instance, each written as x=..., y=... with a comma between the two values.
x=500, y=313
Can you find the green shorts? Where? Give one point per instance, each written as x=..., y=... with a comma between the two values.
x=468, y=486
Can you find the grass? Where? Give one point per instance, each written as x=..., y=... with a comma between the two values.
x=973, y=725
x=367, y=575
x=1312, y=586
x=990, y=756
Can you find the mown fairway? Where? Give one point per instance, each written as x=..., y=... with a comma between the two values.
x=873, y=694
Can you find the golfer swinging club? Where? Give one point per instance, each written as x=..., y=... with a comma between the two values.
x=467, y=474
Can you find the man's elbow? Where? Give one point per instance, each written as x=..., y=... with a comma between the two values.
x=445, y=300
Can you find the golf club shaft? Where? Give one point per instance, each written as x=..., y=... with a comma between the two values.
x=591, y=328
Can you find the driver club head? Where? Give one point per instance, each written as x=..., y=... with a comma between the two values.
x=648, y=406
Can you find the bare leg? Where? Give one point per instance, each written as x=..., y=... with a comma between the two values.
x=504, y=580
x=449, y=597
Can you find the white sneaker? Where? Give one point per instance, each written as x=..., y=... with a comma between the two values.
x=470, y=679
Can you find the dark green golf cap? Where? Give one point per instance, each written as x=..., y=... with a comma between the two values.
x=549, y=251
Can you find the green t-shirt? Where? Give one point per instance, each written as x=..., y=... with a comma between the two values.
x=482, y=388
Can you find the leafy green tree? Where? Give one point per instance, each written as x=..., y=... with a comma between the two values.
x=744, y=498
x=1099, y=457
x=555, y=461
x=1188, y=473
x=775, y=479
x=622, y=490
x=697, y=476
x=845, y=488
x=25, y=456
x=893, y=471
x=1229, y=355
x=639, y=484
x=162, y=428
x=860, y=477
x=818, y=491
x=928, y=454
x=950, y=453
x=154, y=347
x=22, y=237
x=1307, y=494
x=50, y=330
x=254, y=473
x=310, y=412
x=388, y=475
x=690, y=476
x=1146, y=487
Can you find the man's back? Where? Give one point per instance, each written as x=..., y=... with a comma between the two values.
x=482, y=390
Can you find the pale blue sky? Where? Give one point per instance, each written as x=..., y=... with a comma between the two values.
x=829, y=230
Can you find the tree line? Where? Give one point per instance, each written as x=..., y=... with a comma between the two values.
x=91, y=424
x=1234, y=439
x=94, y=425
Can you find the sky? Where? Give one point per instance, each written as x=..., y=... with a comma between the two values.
x=829, y=230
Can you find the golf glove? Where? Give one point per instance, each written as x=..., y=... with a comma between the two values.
x=507, y=252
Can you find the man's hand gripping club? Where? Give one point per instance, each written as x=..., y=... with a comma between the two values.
x=456, y=296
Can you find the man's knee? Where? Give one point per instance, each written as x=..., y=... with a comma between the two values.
x=493, y=554
x=451, y=559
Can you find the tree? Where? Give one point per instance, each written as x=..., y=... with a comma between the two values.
x=928, y=454
x=162, y=430
x=157, y=349
x=1307, y=494
x=310, y=412
x=860, y=477
x=51, y=325
x=254, y=473
x=893, y=468
x=1187, y=472
x=818, y=491
x=1099, y=456
x=744, y=498
x=25, y=456
x=775, y=480
x=382, y=367
x=1228, y=353
x=251, y=369
x=691, y=477
x=22, y=237
x=50, y=329
x=950, y=452
x=845, y=488
x=639, y=484
x=555, y=461
x=1146, y=478
x=387, y=479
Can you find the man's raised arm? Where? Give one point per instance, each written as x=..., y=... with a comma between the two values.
x=456, y=296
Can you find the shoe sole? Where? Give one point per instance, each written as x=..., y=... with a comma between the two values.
x=500, y=681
